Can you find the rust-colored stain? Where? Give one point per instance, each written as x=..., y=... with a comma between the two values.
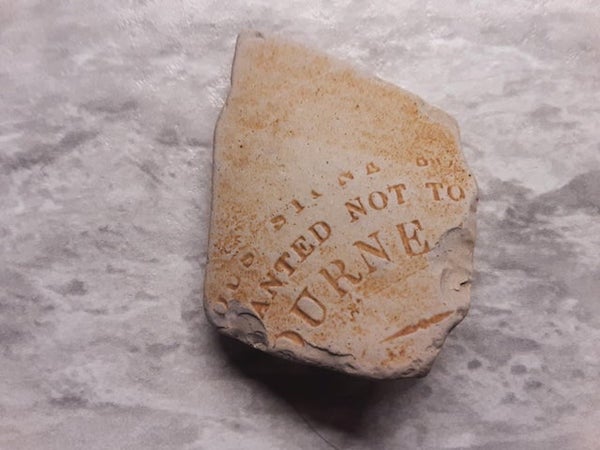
x=421, y=325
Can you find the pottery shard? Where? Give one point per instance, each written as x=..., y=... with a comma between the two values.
x=342, y=225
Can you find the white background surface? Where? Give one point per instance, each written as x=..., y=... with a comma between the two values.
x=106, y=117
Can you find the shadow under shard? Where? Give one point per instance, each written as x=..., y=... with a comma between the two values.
x=329, y=398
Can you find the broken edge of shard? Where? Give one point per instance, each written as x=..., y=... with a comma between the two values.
x=280, y=121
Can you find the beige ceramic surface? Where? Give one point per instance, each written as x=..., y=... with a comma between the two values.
x=342, y=222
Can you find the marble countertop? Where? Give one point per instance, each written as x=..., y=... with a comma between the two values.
x=107, y=111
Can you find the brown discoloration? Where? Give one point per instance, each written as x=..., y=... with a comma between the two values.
x=421, y=325
x=292, y=268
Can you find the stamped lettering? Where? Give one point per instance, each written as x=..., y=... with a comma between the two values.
x=370, y=250
x=334, y=276
x=372, y=168
x=412, y=239
x=440, y=192
x=247, y=259
x=278, y=222
x=375, y=201
x=260, y=308
x=345, y=177
x=342, y=233
x=296, y=204
x=309, y=308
